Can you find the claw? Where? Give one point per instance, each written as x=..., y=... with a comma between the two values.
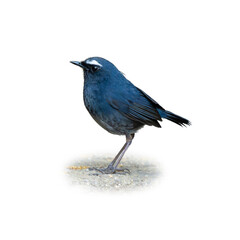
x=96, y=169
x=123, y=170
x=111, y=170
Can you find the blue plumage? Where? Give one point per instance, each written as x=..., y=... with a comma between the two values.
x=118, y=106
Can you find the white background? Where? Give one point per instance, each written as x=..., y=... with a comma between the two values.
x=185, y=54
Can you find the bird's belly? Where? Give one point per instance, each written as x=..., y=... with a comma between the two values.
x=109, y=118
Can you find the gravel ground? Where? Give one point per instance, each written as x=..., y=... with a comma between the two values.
x=142, y=174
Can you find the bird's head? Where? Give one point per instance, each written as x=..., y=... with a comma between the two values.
x=96, y=68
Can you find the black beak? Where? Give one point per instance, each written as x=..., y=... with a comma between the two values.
x=80, y=64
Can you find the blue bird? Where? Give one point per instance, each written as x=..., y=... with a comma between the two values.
x=118, y=106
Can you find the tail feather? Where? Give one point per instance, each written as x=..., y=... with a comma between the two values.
x=174, y=118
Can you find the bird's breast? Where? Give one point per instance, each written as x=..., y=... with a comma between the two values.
x=96, y=102
x=92, y=97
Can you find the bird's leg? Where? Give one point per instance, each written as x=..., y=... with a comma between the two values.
x=112, y=167
x=118, y=158
x=121, y=153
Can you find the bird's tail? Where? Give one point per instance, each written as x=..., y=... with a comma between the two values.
x=174, y=118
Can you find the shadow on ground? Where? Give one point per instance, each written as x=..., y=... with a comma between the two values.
x=142, y=174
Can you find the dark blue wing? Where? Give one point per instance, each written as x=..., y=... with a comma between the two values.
x=137, y=106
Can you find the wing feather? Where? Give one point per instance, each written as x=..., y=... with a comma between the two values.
x=137, y=107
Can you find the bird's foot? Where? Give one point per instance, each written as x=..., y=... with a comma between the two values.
x=111, y=170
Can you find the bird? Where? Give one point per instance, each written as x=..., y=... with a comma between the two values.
x=118, y=106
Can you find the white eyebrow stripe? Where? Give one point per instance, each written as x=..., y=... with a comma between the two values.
x=93, y=62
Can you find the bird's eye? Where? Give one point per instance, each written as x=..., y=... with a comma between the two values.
x=95, y=68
